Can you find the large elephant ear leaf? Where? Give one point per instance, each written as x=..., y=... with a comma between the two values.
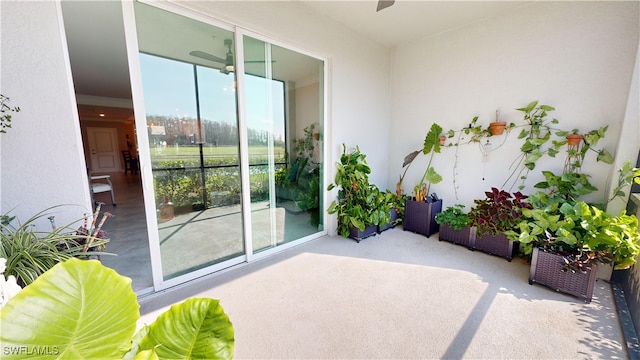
x=431, y=141
x=197, y=328
x=77, y=309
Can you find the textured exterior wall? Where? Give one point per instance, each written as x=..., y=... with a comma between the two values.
x=41, y=155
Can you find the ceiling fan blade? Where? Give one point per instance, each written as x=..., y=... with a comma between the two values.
x=206, y=56
x=383, y=4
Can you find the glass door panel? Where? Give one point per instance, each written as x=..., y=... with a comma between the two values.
x=284, y=110
x=192, y=130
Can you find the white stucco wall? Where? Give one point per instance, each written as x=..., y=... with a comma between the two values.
x=41, y=155
x=575, y=56
x=359, y=106
x=629, y=143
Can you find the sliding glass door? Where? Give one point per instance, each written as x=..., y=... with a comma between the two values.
x=232, y=144
x=284, y=97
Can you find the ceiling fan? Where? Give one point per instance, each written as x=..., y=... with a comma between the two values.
x=383, y=4
x=228, y=60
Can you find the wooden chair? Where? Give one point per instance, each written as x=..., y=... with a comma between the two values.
x=130, y=163
x=102, y=183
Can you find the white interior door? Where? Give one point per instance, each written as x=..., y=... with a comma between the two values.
x=103, y=146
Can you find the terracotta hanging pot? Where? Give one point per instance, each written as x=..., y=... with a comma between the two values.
x=574, y=139
x=497, y=127
x=443, y=140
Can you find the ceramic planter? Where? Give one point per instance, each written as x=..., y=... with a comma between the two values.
x=496, y=244
x=358, y=235
x=419, y=217
x=546, y=269
x=393, y=216
x=464, y=237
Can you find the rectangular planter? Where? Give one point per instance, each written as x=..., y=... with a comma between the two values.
x=358, y=235
x=498, y=245
x=419, y=217
x=393, y=216
x=464, y=237
x=546, y=269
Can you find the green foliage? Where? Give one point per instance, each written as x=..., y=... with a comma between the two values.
x=309, y=198
x=304, y=147
x=430, y=146
x=567, y=187
x=84, y=310
x=454, y=217
x=359, y=203
x=30, y=252
x=576, y=154
x=5, y=113
x=580, y=232
x=626, y=176
x=536, y=132
x=282, y=176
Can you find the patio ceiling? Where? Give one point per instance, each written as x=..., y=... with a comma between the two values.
x=95, y=37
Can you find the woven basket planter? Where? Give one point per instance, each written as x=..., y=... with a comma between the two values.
x=498, y=245
x=546, y=269
x=358, y=235
x=464, y=237
x=393, y=216
x=419, y=217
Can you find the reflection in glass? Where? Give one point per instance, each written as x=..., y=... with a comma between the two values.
x=188, y=73
x=285, y=105
x=193, y=138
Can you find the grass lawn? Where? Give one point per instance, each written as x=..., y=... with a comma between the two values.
x=181, y=152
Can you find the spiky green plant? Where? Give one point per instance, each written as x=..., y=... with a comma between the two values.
x=31, y=252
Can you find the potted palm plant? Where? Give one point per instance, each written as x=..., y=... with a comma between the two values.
x=358, y=206
x=499, y=212
x=454, y=226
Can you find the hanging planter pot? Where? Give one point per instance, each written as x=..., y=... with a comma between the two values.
x=574, y=139
x=443, y=140
x=497, y=127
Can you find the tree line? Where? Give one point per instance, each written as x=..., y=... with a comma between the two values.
x=184, y=131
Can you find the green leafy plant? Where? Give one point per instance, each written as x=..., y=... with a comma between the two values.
x=31, y=252
x=581, y=233
x=576, y=154
x=626, y=176
x=566, y=187
x=309, y=200
x=282, y=176
x=430, y=147
x=454, y=217
x=358, y=204
x=536, y=132
x=6, y=113
x=84, y=310
x=499, y=212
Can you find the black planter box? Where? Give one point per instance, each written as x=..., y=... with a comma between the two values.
x=393, y=216
x=464, y=237
x=498, y=245
x=546, y=269
x=419, y=217
x=358, y=235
